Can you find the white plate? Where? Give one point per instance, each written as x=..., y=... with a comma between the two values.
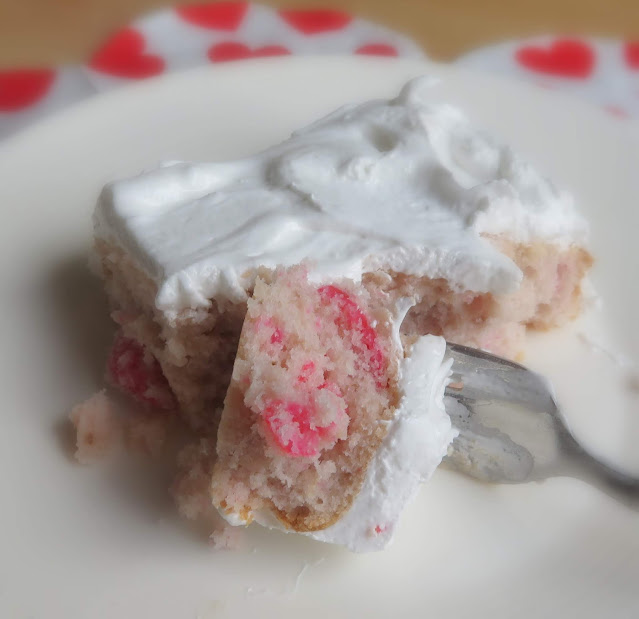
x=103, y=542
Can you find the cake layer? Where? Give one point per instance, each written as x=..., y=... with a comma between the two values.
x=196, y=347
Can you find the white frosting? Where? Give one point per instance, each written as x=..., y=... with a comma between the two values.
x=417, y=439
x=406, y=184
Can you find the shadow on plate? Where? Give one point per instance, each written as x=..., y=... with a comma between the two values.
x=81, y=317
x=83, y=333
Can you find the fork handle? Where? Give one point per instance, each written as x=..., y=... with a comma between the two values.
x=591, y=469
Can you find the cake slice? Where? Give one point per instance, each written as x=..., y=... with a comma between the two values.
x=404, y=194
x=325, y=382
x=329, y=424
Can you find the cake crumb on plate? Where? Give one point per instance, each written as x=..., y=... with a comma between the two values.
x=98, y=429
x=227, y=537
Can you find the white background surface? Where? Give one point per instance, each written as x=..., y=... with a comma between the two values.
x=104, y=542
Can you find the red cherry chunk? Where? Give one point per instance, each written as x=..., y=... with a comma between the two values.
x=290, y=425
x=304, y=429
x=137, y=372
x=352, y=318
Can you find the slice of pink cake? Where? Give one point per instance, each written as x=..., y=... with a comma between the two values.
x=383, y=201
x=316, y=385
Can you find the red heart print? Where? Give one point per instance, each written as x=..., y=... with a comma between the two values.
x=214, y=15
x=316, y=21
x=565, y=58
x=221, y=52
x=631, y=52
x=616, y=111
x=377, y=49
x=123, y=56
x=21, y=89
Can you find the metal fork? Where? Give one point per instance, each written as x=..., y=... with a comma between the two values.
x=512, y=431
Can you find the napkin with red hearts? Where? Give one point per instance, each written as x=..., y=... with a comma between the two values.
x=187, y=36
x=602, y=71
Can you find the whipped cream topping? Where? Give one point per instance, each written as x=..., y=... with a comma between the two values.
x=417, y=439
x=406, y=184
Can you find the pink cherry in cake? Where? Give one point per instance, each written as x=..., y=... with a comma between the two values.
x=352, y=318
x=135, y=371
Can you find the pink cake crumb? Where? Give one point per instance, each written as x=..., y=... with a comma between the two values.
x=226, y=537
x=98, y=429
